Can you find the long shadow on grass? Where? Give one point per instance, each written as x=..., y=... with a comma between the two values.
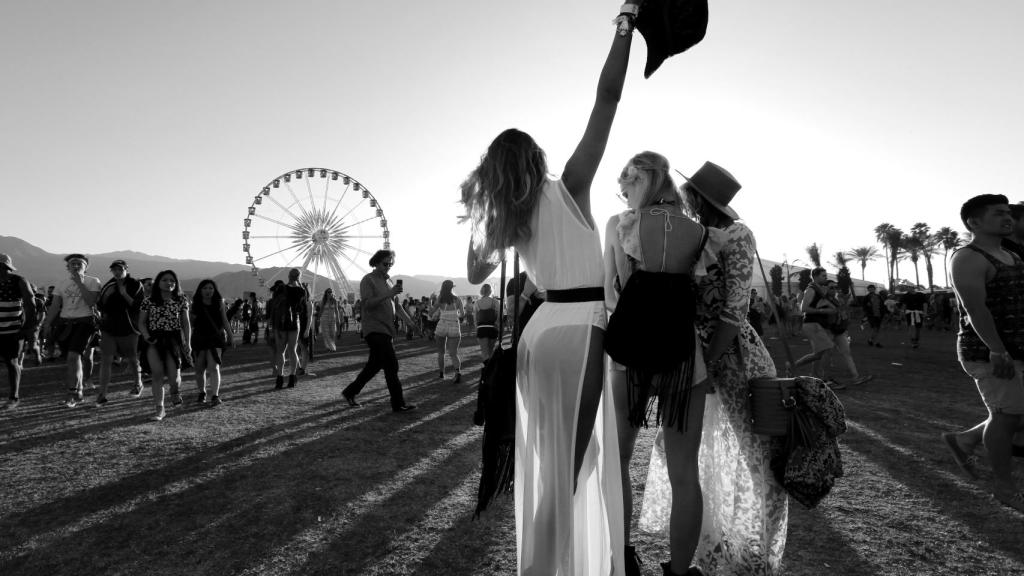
x=483, y=546
x=366, y=539
x=806, y=539
x=228, y=521
x=948, y=496
x=198, y=461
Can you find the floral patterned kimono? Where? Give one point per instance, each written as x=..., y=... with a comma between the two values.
x=745, y=509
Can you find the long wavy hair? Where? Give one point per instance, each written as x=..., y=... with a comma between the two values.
x=661, y=183
x=447, y=294
x=197, y=298
x=156, y=295
x=501, y=193
x=328, y=297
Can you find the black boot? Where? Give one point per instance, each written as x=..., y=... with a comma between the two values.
x=279, y=382
x=632, y=562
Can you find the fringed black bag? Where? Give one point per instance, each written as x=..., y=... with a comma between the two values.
x=653, y=338
x=496, y=407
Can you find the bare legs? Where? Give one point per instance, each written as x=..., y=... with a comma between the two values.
x=73, y=374
x=164, y=369
x=287, y=348
x=14, y=378
x=452, y=346
x=681, y=457
x=106, y=370
x=998, y=437
x=207, y=369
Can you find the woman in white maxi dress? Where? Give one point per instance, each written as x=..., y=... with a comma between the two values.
x=567, y=487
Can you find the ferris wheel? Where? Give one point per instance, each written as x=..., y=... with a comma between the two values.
x=321, y=221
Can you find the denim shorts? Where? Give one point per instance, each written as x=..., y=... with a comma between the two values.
x=999, y=394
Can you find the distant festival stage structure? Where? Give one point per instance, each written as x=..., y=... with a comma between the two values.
x=319, y=220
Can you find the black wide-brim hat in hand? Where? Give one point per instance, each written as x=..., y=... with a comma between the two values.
x=670, y=27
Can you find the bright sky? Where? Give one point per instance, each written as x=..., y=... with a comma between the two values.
x=150, y=125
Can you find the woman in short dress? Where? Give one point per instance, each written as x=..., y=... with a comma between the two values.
x=211, y=334
x=164, y=324
x=449, y=312
x=329, y=320
x=486, y=322
x=568, y=498
x=745, y=509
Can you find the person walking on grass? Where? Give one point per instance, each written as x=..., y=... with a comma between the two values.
x=17, y=321
x=915, y=306
x=838, y=330
x=119, y=304
x=989, y=284
x=379, y=304
x=874, y=311
x=307, y=332
x=449, y=311
x=251, y=320
x=817, y=317
x=164, y=323
x=486, y=322
x=211, y=335
x=71, y=317
x=289, y=320
x=329, y=320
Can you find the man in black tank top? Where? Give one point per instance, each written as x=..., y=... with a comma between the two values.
x=989, y=285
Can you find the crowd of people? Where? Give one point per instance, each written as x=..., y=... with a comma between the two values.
x=152, y=329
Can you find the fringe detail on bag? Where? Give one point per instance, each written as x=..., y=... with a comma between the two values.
x=498, y=471
x=673, y=390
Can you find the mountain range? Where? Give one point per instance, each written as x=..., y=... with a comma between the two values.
x=43, y=268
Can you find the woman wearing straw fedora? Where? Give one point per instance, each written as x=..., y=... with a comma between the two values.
x=654, y=250
x=745, y=509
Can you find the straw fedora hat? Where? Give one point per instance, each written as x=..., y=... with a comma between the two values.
x=716, y=186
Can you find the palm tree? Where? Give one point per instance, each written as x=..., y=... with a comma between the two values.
x=923, y=235
x=864, y=254
x=882, y=236
x=912, y=246
x=814, y=253
x=894, y=239
x=839, y=259
x=950, y=240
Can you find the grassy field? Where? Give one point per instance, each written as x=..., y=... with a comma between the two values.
x=295, y=482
